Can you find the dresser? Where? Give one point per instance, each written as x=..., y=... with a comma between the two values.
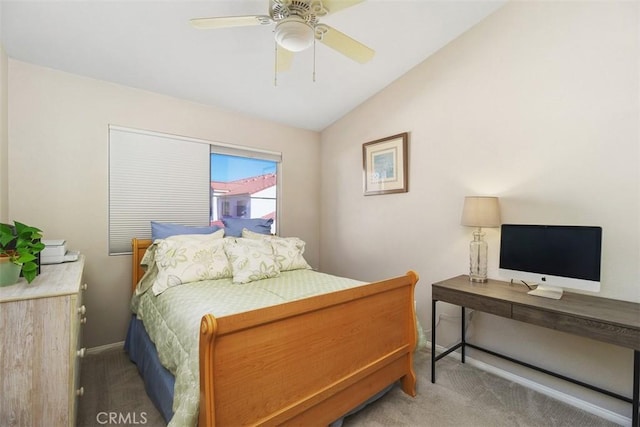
x=40, y=347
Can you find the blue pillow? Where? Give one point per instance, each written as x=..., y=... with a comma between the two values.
x=233, y=226
x=162, y=230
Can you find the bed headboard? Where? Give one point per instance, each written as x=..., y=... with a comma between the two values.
x=139, y=248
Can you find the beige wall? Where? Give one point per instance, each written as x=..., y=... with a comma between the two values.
x=4, y=144
x=537, y=104
x=58, y=152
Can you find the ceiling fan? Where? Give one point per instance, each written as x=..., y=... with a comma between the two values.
x=297, y=27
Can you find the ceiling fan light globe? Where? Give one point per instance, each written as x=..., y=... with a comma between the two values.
x=294, y=35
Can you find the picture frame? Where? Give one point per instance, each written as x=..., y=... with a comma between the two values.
x=385, y=165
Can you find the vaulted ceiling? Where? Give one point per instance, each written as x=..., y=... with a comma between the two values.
x=150, y=45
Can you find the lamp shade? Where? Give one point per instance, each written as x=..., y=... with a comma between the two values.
x=481, y=211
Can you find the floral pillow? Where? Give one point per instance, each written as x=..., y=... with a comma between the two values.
x=190, y=258
x=251, y=259
x=287, y=250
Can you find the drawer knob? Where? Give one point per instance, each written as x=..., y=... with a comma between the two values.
x=84, y=286
x=81, y=353
x=80, y=391
x=83, y=320
x=82, y=309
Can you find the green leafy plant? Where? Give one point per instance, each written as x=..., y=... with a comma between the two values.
x=21, y=243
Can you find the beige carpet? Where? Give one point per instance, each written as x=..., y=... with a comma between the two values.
x=463, y=396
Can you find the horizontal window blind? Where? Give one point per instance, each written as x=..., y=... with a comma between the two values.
x=154, y=176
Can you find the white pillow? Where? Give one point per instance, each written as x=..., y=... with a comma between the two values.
x=251, y=259
x=287, y=250
x=190, y=258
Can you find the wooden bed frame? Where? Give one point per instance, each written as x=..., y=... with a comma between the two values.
x=306, y=362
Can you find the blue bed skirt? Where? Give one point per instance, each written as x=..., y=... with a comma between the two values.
x=159, y=382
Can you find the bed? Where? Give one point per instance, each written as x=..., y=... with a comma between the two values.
x=304, y=362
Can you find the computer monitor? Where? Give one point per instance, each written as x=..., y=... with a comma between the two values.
x=552, y=256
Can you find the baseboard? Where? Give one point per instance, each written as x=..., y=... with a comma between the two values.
x=106, y=347
x=543, y=389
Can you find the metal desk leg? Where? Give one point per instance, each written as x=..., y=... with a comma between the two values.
x=433, y=340
x=636, y=388
x=462, y=339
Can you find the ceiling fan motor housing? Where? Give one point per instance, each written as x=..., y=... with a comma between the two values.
x=308, y=10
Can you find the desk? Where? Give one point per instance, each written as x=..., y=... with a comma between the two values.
x=612, y=321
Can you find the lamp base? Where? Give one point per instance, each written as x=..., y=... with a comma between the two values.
x=478, y=258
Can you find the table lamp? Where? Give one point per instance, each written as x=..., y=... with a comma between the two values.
x=479, y=211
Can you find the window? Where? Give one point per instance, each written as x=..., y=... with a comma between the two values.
x=168, y=178
x=243, y=187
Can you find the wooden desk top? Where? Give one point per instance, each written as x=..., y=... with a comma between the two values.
x=614, y=321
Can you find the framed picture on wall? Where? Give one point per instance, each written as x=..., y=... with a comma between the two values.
x=384, y=165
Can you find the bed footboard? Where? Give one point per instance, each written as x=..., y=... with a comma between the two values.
x=308, y=361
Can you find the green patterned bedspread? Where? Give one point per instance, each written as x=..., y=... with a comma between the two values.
x=172, y=320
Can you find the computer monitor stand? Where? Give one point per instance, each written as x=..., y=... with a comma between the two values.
x=547, y=291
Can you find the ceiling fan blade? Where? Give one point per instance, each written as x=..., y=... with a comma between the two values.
x=284, y=58
x=334, y=6
x=230, y=21
x=344, y=44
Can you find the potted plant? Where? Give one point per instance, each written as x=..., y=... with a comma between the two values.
x=19, y=245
